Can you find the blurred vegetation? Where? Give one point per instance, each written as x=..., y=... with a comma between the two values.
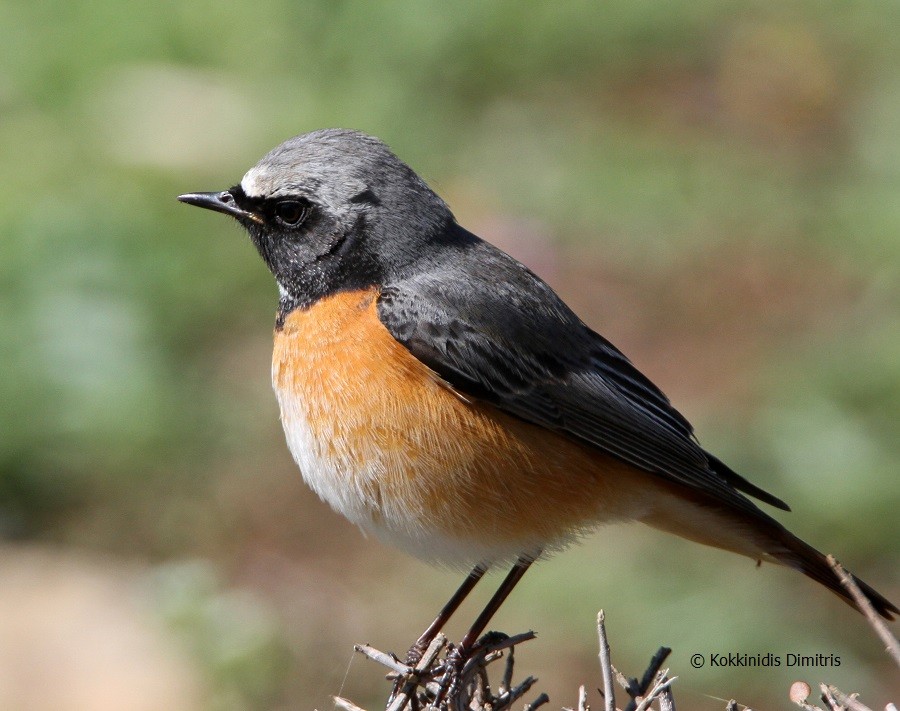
x=714, y=185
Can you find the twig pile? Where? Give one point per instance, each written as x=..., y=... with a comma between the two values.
x=439, y=683
x=436, y=684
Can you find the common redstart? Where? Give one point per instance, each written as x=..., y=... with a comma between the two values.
x=442, y=397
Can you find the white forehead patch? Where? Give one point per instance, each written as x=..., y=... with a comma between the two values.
x=253, y=183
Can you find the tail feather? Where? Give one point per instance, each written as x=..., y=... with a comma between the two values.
x=799, y=555
x=698, y=517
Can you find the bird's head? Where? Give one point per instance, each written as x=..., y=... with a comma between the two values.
x=332, y=209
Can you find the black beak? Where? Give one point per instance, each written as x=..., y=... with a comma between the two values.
x=220, y=202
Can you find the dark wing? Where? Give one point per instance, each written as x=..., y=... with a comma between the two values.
x=496, y=332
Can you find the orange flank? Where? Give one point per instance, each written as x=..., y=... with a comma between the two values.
x=396, y=450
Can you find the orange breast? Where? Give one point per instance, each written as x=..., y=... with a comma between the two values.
x=385, y=442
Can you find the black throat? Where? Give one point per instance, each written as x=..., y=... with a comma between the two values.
x=346, y=262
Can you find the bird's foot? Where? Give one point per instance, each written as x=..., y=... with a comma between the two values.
x=422, y=666
x=462, y=662
x=415, y=653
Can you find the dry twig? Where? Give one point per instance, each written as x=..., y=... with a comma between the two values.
x=609, y=694
x=862, y=602
x=833, y=698
x=345, y=705
x=847, y=702
x=638, y=689
x=437, y=683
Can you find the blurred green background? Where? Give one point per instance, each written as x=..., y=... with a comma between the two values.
x=715, y=186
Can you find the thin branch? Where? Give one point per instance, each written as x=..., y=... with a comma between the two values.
x=507, y=642
x=832, y=703
x=661, y=685
x=387, y=660
x=506, y=681
x=638, y=689
x=407, y=692
x=655, y=663
x=622, y=680
x=862, y=602
x=666, y=700
x=504, y=701
x=345, y=704
x=609, y=694
x=537, y=703
x=582, y=699
x=848, y=701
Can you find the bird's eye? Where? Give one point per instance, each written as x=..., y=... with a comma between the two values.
x=291, y=213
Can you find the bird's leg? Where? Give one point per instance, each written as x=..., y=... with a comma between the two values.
x=457, y=658
x=418, y=649
x=506, y=587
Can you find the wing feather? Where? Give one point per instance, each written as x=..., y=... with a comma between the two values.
x=494, y=331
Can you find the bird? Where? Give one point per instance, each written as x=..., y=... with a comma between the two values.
x=443, y=398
